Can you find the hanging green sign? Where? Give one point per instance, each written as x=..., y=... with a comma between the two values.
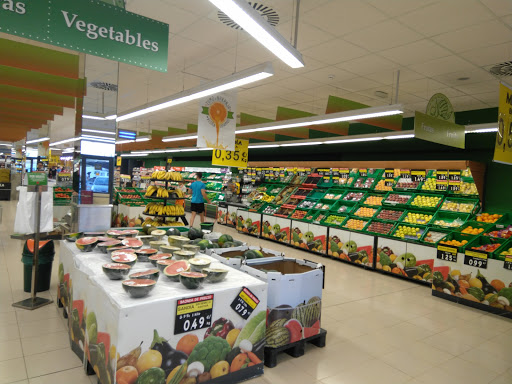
x=439, y=131
x=89, y=26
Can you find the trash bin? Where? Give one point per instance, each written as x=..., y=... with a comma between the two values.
x=207, y=226
x=45, y=261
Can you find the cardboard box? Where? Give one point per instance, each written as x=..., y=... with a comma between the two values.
x=228, y=256
x=294, y=297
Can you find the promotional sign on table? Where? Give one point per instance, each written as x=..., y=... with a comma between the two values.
x=439, y=131
x=217, y=121
x=503, y=146
x=237, y=158
x=90, y=26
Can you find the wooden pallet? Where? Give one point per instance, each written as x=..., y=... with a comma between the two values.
x=294, y=349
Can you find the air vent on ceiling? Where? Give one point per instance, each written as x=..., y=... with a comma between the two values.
x=104, y=86
x=502, y=69
x=268, y=14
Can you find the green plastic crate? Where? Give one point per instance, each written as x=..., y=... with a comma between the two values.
x=390, y=224
x=389, y=203
x=361, y=207
x=421, y=190
x=344, y=226
x=485, y=240
x=319, y=216
x=355, y=192
x=474, y=224
x=384, y=208
x=317, y=194
x=334, y=192
x=299, y=219
x=269, y=207
x=324, y=205
x=311, y=215
x=449, y=217
x=496, y=227
x=307, y=204
x=257, y=205
x=369, y=185
x=504, y=248
x=334, y=224
x=350, y=206
x=422, y=230
x=474, y=204
x=412, y=212
x=374, y=195
x=410, y=204
x=456, y=236
x=435, y=239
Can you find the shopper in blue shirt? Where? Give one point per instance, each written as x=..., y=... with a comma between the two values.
x=198, y=191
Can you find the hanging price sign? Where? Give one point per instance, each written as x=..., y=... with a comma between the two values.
x=237, y=158
x=475, y=259
x=405, y=173
x=389, y=173
x=454, y=175
x=441, y=175
x=245, y=303
x=64, y=176
x=363, y=172
x=344, y=173
x=193, y=313
x=447, y=253
x=454, y=185
x=418, y=175
x=441, y=185
x=389, y=182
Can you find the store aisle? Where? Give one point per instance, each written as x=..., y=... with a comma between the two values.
x=380, y=330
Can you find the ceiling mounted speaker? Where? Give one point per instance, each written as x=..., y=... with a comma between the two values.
x=269, y=14
x=103, y=86
x=502, y=69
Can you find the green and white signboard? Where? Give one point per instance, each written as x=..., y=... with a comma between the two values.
x=439, y=131
x=90, y=26
x=37, y=178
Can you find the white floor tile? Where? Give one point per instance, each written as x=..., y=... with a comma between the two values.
x=51, y=362
x=12, y=371
x=74, y=376
x=10, y=349
x=45, y=343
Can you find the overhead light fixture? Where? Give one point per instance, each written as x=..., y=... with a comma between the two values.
x=353, y=115
x=124, y=141
x=98, y=131
x=93, y=117
x=343, y=141
x=68, y=150
x=204, y=149
x=98, y=138
x=482, y=128
x=111, y=117
x=264, y=146
x=242, y=13
x=140, y=139
x=236, y=80
x=188, y=150
x=37, y=140
x=133, y=154
x=179, y=138
x=6, y=145
x=300, y=144
x=65, y=141
x=408, y=136
x=56, y=149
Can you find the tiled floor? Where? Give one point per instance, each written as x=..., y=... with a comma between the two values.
x=380, y=330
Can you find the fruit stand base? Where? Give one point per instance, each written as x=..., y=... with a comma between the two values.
x=480, y=306
x=296, y=349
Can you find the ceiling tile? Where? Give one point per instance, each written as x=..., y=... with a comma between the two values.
x=187, y=52
x=399, y=7
x=298, y=97
x=420, y=87
x=254, y=50
x=476, y=75
x=335, y=51
x=448, y=92
x=475, y=36
x=416, y=52
x=446, y=16
x=409, y=98
x=389, y=77
x=297, y=83
x=499, y=7
x=442, y=65
x=489, y=55
x=367, y=64
x=385, y=35
x=465, y=103
x=308, y=35
x=356, y=84
x=343, y=16
x=482, y=87
x=212, y=33
x=490, y=98
x=323, y=75
x=198, y=7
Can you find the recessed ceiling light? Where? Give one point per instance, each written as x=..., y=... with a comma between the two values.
x=381, y=94
x=464, y=78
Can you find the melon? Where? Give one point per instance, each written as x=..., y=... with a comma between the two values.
x=124, y=257
x=130, y=232
x=277, y=335
x=173, y=232
x=133, y=243
x=173, y=271
x=86, y=244
x=178, y=241
x=143, y=254
x=158, y=234
x=295, y=329
x=116, y=271
x=253, y=254
x=114, y=233
x=195, y=233
x=192, y=280
x=224, y=239
x=161, y=256
x=204, y=244
x=137, y=288
x=214, y=275
x=149, y=274
x=198, y=263
x=103, y=247
x=161, y=264
x=308, y=314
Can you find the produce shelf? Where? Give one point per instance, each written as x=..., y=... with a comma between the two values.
x=387, y=227
x=499, y=231
x=398, y=204
x=421, y=229
x=474, y=224
x=460, y=237
x=386, y=213
x=153, y=215
x=449, y=220
x=346, y=207
x=417, y=196
x=454, y=204
x=479, y=241
x=435, y=235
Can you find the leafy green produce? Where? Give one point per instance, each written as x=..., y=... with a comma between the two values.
x=506, y=292
x=252, y=329
x=210, y=351
x=384, y=259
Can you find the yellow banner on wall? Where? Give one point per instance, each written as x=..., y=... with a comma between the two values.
x=503, y=147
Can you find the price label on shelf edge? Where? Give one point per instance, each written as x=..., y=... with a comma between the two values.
x=245, y=303
x=507, y=264
x=237, y=158
x=418, y=175
x=363, y=172
x=405, y=173
x=389, y=173
x=447, y=253
x=475, y=259
x=442, y=174
x=193, y=313
x=454, y=175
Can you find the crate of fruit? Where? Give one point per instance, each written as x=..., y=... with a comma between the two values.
x=429, y=186
x=365, y=212
x=356, y=196
x=489, y=218
x=284, y=194
x=467, y=189
x=270, y=209
x=364, y=182
x=390, y=214
x=257, y=205
x=406, y=184
x=373, y=200
x=433, y=236
x=499, y=231
x=318, y=216
x=291, y=201
x=355, y=224
x=334, y=220
x=473, y=228
x=299, y=214
x=417, y=217
x=505, y=251
x=311, y=215
x=485, y=244
x=379, y=227
x=317, y=194
x=334, y=194
x=409, y=232
x=307, y=204
x=382, y=185
x=302, y=193
x=451, y=204
x=324, y=205
x=311, y=181
x=425, y=201
x=456, y=239
x=397, y=199
x=449, y=220
x=326, y=182
x=283, y=211
x=344, y=207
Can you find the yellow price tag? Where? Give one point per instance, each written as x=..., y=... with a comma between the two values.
x=237, y=158
x=118, y=161
x=169, y=160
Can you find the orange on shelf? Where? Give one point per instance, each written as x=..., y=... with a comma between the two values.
x=381, y=186
x=454, y=242
x=487, y=218
x=366, y=212
x=355, y=224
x=374, y=200
x=472, y=231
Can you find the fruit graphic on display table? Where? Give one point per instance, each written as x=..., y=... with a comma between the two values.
x=277, y=335
x=295, y=329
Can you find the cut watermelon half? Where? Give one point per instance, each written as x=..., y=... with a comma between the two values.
x=133, y=243
x=173, y=270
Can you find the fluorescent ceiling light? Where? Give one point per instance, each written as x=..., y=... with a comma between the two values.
x=65, y=141
x=264, y=146
x=409, y=136
x=6, y=145
x=56, y=149
x=301, y=144
x=179, y=138
x=98, y=131
x=353, y=140
x=98, y=138
x=242, y=13
x=483, y=130
x=188, y=150
x=133, y=154
x=204, y=149
x=111, y=117
x=238, y=79
x=142, y=139
x=354, y=115
x=68, y=150
x=125, y=141
x=93, y=117
x=37, y=140
x=159, y=151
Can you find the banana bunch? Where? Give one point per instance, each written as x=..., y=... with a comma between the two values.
x=162, y=192
x=179, y=193
x=154, y=209
x=151, y=190
x=158, y=175
x=169, y=175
